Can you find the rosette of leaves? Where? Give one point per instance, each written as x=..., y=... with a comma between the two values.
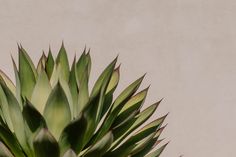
x=50, y=112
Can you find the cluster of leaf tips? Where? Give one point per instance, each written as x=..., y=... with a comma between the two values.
x=49, y=111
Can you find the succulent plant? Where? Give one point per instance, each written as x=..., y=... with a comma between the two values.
x=49, y=111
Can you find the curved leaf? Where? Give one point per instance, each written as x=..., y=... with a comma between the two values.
x=45, y=145
x=5, y=109
x=157, y=152
x=83, y=65
x=55, y=75
x=132, y=106
x=27, y=73
x=33, y=117
x=73, y=87
x=116, y=108
x=66, y=89
x=124, y=130
x=107, y=73
x=143, y=137
x=152, y=144
x=95, y=105
x=73, y=134
x=18, y=84
x=49, y=65
x=63, y=60
x=126, y=94
x=8, y=82
x=82, y=78
x=41, y=92
x=114, y=80
x=102, y=84
x=9, y=139
x=110, y=90
x=34, y=121
x=130, y=147
x=16, y=118
x=57, y=111
x=140, y=145
x=41, y=63
x=100, y=147
x=149, y=128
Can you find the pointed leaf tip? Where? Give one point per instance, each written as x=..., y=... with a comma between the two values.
x=62, y=44
x=158, y=103
x=157, y=152
x=62, y=59
x=88, y=53
x=27, y=73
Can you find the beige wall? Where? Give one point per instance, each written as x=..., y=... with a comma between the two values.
x=187, y=47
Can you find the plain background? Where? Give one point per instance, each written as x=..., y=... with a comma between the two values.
x=187, y=48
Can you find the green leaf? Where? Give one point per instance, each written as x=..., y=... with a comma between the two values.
x=63, y=61
x=89, y=61
x=73, y=135
x=152, y=144
x=117, y=106
x=101, y=85
x=149, y=128
x=83, y=65
x=100, y=148
x=34, y=121
x=27, y=73
x=124, y=130
x=8, y=82
x=49, y=65
x=57, y=111
x=140, y=145
x=18, y=84
x=4, y=151
x=130, y=108
x=140, y=137
x=131, y=147
x=55, y=75
x=29, y=60
x=157, y=152
x=33, y=117
x=82, y=78
x=9, y=139
x=126, y=94
x=114, y=80
x=16, y=118
x=41, y=92
x=94, y=108
x=5, y=109
x=110, y=90
x=89, y=114
x=107, y=73
x=45, y=145
x=69, y=153
x=41, y=63
x=66, y=89
x=73, y=88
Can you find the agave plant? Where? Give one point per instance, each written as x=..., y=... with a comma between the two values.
x=49, y=111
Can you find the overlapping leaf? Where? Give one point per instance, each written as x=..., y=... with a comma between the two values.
x=50, y=111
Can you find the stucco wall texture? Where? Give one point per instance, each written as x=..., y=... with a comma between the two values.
x=187, y=48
